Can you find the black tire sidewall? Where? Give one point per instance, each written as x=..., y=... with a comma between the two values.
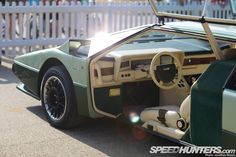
x=61, y=73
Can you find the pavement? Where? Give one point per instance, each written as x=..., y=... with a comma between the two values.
x=24, y=130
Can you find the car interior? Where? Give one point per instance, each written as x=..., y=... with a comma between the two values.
x=148, y=81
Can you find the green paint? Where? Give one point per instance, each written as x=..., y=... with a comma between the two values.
x=77, y=67
x=206, y=104
x=84, y=103
x=28, y=77
x=82, y=100
x=65, y=47
x=186, y=137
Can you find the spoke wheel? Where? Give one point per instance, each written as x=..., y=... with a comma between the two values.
x=55, y=98
x=58, y=98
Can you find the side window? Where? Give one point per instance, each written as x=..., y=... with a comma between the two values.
x=79, y=47
x=231, y=81
x=74, y=45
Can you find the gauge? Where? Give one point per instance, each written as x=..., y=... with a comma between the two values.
x=124, y=64
x=166, y=59
x=136, y=63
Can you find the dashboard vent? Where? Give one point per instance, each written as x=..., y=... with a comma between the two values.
x=181, y=84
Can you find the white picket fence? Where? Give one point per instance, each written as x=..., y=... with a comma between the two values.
x=41, y=26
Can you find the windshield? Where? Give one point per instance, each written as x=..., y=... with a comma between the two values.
x=78, y=48
x=104, y=41
x=156, y=37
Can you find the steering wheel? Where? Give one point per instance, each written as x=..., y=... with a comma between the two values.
x=165, y=70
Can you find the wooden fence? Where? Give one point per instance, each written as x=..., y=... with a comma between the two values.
x=45, y=25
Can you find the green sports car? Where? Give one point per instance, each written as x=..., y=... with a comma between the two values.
x=175, y=81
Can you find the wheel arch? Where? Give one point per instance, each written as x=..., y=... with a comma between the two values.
x=46, y=65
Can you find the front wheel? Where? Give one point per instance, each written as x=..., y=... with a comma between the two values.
x=58, y=98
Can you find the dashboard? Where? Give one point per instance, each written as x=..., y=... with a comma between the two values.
x=130, y=66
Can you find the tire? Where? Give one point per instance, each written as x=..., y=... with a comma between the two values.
x=58, y=98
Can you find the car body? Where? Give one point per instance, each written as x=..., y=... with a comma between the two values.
x=148, y=75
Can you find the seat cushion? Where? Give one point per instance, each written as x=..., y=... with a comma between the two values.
x=153, y=114
x=162, y=129
x=171, y=115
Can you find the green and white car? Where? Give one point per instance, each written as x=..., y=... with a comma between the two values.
x=175, y=81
